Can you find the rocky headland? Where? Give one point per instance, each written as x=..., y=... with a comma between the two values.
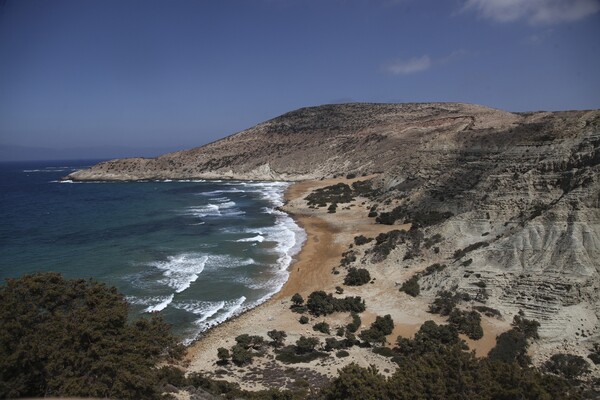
x=501, y=209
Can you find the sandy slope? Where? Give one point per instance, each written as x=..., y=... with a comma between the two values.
x=328, y=236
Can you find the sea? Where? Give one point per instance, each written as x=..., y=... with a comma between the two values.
x=198, y=252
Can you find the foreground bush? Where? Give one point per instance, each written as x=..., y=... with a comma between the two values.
x=72, y=338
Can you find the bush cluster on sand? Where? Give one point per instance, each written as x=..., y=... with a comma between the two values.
x=320, y=303
x=357, y=277
x=379, y=329
x=411, y=287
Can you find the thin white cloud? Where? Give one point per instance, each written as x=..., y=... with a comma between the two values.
x=534, y=11
x=405, y=67
x=418, y=64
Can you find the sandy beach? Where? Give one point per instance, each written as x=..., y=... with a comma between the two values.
x=328, y=236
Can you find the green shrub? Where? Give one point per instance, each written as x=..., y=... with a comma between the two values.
x=357, y=277
x=66, y=338
x=488, y=311
x=568, y=365
x=241, y=355
x=474, y=246
x=320, y=303
x=322, y=327
x=444, y=303
x=334, y=344
x=303, y=320
x=385, y=352
x=247, y=341
x=297, y=299
x=341, y=331
x=431, y=337
x=360, y=240
x=342, y=353
x=433, y=268
x=289, y=355
x=277, y=337
x=379, y=329
x=338, y=193
x=411, y=287
x=511, y=346
x=355, y=324
x=467, y=322
x=223, y=354
x=306, y=344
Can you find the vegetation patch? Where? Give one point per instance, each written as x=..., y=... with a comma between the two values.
x=338, y=193
x=433, y=268
x=569, y=366
x=360, y=240
x=49, y=322
x=488, y=311
x=411, y=287
x=387, y=241
x=320, y=303
x=467, y=322
x=511, y=346
x=379, y=329
x=357, y=277
x=322, y=327
x=445, y=302
x=302, y=351
x=461, y=253
x=418, y=218
x=355, y=324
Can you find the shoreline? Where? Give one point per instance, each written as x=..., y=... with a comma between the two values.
x=327, y=237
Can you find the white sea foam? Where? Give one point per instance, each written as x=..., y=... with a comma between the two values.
x=230, y=309
x=205, y=309
x=257, y=238
x=216, y=209
x=211, y=313
x=182, y=270
x=226, y=261
x=160, y=306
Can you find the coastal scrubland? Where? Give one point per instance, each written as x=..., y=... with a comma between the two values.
x=452, y=252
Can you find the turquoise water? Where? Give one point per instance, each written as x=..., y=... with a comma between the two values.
x=198, y=252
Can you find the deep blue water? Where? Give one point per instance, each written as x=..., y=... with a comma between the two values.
x=199, y=252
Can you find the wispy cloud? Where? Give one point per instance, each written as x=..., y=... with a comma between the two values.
x=405, y=67
x=534, y=11
x=419, y=64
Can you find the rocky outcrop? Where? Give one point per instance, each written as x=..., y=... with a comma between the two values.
x=526, y=185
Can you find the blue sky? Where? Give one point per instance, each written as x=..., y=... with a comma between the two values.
x=149, y=76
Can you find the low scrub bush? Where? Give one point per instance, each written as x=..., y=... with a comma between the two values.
x=355, y=324
x=342, y=354
x=569, y=366
x=467, y=322
x=433, y=268
x=322, y=327
x=357, y=277
x=488, y=311
x=320, y=303
x=411, y=286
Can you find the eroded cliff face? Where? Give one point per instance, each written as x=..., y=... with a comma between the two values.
x=526, y=200
x=524, y=186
